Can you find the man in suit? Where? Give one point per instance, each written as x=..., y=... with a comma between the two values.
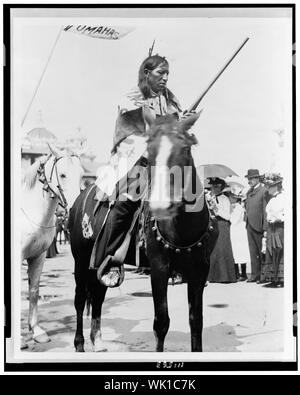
x=256, y=223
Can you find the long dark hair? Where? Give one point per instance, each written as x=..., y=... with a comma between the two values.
x=149, y=64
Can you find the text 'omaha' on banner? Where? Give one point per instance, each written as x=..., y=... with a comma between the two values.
x=100, y=31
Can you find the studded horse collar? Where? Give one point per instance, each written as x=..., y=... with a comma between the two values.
x=179, y=249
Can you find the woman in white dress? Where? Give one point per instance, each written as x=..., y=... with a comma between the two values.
x=238, y=236
x=272, y=269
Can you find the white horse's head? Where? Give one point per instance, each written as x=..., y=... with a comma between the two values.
x=64, y=172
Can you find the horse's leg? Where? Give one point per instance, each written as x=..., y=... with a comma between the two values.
x=195, y=299
x=159, y=284
x=35, y=267
x=66, y=236
x=98, y=295
x=79, y=302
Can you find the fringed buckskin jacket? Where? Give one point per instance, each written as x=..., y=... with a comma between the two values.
x=130, y=134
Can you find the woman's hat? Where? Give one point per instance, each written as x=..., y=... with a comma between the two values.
x=252, y=173
x=216, y=181
x=271, y=179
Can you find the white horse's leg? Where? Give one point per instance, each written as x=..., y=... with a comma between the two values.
x=35, y=267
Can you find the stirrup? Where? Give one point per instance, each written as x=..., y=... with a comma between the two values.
x=111, y=272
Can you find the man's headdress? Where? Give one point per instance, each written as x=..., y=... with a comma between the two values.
x=151, y=49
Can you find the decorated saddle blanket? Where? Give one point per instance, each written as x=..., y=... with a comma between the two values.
x=96, y=218
x=93, y=213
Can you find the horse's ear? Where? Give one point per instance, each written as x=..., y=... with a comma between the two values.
x=55, y=151
x=189, y=121
x=148, y=117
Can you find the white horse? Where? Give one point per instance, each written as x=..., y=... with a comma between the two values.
x=51, y=181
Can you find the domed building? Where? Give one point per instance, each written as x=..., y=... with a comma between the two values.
x=41, y=134
x=34, y=145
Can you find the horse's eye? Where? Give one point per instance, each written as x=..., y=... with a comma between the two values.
x=63, y=175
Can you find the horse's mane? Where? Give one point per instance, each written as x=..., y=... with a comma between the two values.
x=29, y=175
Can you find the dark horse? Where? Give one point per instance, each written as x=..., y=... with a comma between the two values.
x=179, y=233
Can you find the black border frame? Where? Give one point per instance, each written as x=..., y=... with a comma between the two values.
x=125, y=366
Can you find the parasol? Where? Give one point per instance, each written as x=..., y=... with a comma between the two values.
x=237, y=185
x=216, y=170
x=236, y=182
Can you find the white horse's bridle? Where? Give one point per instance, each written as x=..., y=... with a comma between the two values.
x=47, y=187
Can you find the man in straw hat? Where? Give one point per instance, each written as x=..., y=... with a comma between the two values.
x=256, y=223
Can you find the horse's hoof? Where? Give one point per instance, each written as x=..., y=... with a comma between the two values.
x=97, y=345
x=100, y=349
x=80, y=348
x=41, y=338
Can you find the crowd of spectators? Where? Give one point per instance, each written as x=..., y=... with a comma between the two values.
x=250, y=246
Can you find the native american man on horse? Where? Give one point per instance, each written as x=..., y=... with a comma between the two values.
x=153, y=99
x=102, y=220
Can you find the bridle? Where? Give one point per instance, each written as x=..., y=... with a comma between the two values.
x=47, y=187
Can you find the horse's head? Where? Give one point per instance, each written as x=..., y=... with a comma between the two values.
x=170, y=161
x=63, y=172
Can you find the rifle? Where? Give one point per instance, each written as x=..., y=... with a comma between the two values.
x=197, y=102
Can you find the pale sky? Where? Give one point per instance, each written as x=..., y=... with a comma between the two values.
x=88, y=78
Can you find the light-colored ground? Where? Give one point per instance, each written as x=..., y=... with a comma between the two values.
x=240, y=317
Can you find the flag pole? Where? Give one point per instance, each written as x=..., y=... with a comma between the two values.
x=42, y=75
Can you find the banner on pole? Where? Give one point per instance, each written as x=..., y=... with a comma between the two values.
x=101, y=31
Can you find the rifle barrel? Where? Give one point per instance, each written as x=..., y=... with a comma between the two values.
x=196, y=103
